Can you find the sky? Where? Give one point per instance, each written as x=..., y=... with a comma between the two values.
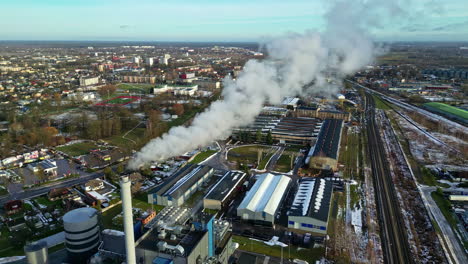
x=209, y=20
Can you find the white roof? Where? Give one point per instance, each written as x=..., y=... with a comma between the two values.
x=266, y=194
x=304, y=196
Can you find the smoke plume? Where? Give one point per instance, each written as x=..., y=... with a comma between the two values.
x=296, y=64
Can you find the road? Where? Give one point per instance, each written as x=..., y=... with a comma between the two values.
x=34, y=192
x=274, y=159
x=393, y=234
x=456, y=251
x=219, y=161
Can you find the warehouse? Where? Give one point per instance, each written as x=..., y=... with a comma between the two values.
x=224, y=190
x=180, y=186
x=296, y=130
x=324, y=155
x=262, y=201
x=311, y=205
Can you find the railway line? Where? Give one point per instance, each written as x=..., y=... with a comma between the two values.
x=390, y=102
x=393, y=234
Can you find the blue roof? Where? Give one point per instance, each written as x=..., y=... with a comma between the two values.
x=160, y=260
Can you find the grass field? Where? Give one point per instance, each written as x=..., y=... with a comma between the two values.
x=127, y=143
x=202, y=156
x=309, y=255
x=444, y=206
x=295, y=148
x=136, y=87
x=119, y=100
x=246, y=154
x=350, y=152
x=264, y=161
x=451, y=110
x=283, y=164
x=380, y=104
x=77, y=149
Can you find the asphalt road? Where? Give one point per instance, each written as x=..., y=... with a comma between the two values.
x=456, y=251
x=34, y=192
x=274, y=159
x=393, y=234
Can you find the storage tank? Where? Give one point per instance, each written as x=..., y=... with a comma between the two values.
x=36, y=253
x=82, y=237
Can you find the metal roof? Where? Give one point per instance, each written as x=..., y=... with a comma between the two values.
x=226, y=185
x=266, y=193
x=312, y=199
x=182, y=180
x=329, y=139
x=79, y=215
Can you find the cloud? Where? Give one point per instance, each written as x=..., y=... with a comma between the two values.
x=451, y=27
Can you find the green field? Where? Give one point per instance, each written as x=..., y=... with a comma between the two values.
x=246, y=154
x=380, y=104
x=264, y=161
x=77, y=149
x=309, y=255
x=202, y=156
x=136, y=135
x=283, y=164
x=136, y=87
x=119, y=101
x=445, y=108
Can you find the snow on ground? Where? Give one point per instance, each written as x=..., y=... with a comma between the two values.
x=425, y=149
x=356, y=220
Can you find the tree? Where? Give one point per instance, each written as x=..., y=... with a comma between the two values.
x=269, y=138
x=178, y=109
x=58, y=99
x=120, y=169
x=94, y=130
x=259, y=136
x=47, y=134
x=107, y=90
x=108, y=172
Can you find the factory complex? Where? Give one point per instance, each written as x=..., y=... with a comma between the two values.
x=195, y=212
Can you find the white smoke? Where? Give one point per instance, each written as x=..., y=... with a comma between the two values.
x=297, y=64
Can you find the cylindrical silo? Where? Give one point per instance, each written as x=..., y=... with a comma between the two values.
x=126, y=194
x=36, y=253
x=82, y=237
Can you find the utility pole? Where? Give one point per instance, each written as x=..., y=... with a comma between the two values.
x=281, y=254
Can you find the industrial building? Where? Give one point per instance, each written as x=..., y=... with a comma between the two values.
x=296, y=130
x=152, y=79
x=225, y=189
x=324, y=154
x=175, y=236
x=262, y=201
x=87, y=81
x=207, y=83
x=317, y=112
x=285, y=130
x=180, y=186
x=310, y=208
x=37, y=253
x=82, y=237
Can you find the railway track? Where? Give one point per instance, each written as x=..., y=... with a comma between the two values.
x=393, y=233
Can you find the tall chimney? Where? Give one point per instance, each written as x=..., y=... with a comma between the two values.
x=125, y=189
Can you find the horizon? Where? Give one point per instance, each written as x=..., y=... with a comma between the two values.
x=212, y=21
